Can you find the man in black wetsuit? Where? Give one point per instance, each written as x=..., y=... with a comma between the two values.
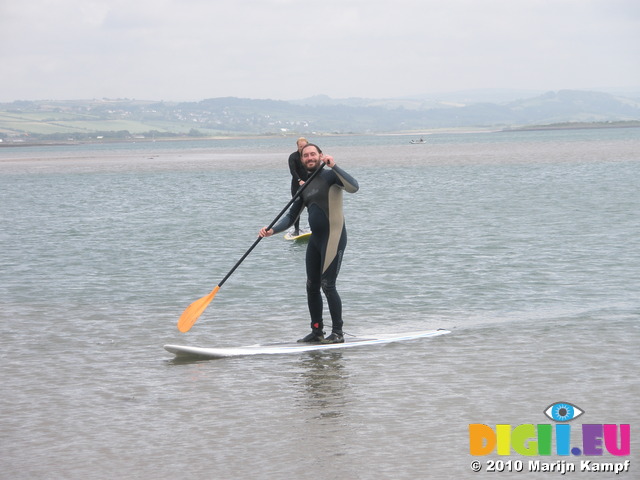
x=323, y=199
x=298, y=175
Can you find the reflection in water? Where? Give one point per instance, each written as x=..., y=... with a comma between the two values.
x=187, y=360
x=324, y=380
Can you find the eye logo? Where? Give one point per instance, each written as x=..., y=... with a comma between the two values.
x=563, y=412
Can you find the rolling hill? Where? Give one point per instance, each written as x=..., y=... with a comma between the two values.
x=81, y=120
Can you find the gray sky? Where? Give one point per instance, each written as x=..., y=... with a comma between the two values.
x=290, y=49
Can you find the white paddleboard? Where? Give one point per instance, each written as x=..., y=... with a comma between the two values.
x=183, y=351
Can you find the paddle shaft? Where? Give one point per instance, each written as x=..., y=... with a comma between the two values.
x=193, y=311
x=282, y=212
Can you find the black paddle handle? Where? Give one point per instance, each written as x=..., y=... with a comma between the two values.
x=293, y=199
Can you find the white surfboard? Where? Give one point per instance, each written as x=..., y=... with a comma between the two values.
x=183, y=351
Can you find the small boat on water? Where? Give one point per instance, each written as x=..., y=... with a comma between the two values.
x=418, y=141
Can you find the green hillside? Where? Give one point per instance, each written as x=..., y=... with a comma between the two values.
x=86, y=120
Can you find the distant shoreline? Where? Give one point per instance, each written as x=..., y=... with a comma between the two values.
x=559, y=126
x=577, y=126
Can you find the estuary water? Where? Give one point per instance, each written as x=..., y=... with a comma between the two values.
x=526, y=245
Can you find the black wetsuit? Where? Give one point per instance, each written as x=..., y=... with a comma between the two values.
x=323, y=199
x=298, y=172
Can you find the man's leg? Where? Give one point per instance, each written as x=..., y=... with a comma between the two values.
x=314, y=296
x=328, y=283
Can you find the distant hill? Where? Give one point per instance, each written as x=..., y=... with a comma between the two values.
x=124, y=118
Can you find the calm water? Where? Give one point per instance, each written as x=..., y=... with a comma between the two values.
x=525, y=245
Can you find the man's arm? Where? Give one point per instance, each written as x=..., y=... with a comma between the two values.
x=349, y=183
x=286, y=221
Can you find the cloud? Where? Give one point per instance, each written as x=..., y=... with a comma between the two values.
x=285, y=49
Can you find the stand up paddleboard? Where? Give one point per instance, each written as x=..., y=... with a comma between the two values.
x=303, y=235
x=184, y=351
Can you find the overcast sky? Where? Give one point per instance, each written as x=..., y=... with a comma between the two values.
x=290, y=49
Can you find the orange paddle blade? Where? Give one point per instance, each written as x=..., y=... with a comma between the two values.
x=193, y=311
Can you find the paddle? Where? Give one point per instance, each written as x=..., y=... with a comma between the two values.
x=193, y=311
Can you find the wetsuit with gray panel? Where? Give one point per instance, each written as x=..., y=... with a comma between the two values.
x=323, y=199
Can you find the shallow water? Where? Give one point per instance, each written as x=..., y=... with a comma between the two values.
x=525, y=245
